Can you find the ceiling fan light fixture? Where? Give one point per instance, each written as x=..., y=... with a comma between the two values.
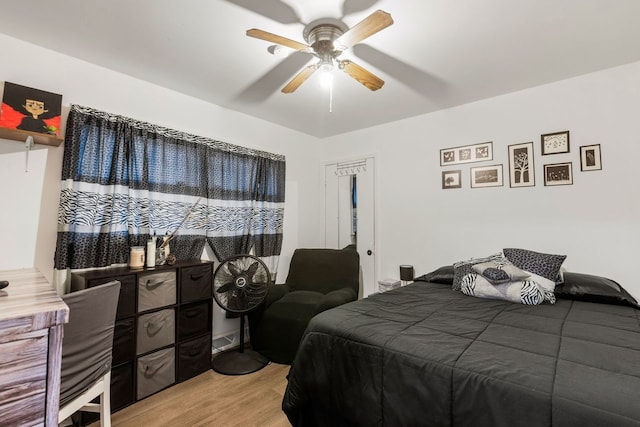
x=325, y=76
x=327, y=38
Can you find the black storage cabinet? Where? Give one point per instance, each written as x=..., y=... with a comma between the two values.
x=182, y=293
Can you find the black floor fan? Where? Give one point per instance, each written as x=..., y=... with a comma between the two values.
x=239, y=285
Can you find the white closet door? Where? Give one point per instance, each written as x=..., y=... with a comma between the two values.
x=339, y=214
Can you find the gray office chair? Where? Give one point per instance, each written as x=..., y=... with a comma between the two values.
x=86, y=351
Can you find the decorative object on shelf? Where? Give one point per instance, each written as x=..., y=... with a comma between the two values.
x=590, y=158
x=136, y=257
x=451, y=179
x=151, y=251
x=240, y=285
x=162, y=253
x=555, y=143
x=171, y=259
x=406, y=274
x=466, y=154
x=558, y=174
x=30, y=109
x=487, y=176
x=521, y=167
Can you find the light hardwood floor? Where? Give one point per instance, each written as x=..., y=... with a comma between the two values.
x=212, y=399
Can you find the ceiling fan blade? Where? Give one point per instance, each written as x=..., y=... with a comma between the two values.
x=299, y=79
x=274, y=38
x=378, y=20
x=272, y=9
x=366, y=78
x=354, y=6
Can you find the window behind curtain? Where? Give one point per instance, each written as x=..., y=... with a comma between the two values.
x=123, y=180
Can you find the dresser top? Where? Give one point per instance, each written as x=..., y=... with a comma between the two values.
x=29, y=303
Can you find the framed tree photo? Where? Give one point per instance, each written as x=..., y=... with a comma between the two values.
x=451, y=179
x=558, y=174
x=555, y=143
x=521, y=169
x=590, y=159
x=486, y=176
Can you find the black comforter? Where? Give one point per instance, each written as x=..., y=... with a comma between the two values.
x=424, y=355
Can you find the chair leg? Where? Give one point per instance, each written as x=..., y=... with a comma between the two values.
x=105, y=402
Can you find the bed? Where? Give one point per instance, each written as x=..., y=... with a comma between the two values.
x=426, y=355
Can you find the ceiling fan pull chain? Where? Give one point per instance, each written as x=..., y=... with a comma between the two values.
x=331, y=97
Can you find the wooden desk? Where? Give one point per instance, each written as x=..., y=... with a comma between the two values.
x=31, y=321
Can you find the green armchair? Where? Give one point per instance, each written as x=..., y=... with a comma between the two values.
x=319, y=279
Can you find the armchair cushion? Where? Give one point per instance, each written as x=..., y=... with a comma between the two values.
x=324, y=270
x=274, y=293
x=336, y=298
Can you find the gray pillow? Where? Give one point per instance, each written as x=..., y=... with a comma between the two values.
x=545, y=265
x=500, y=271
x=462, y=268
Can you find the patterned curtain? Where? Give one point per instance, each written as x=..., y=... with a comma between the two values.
x=124, y=180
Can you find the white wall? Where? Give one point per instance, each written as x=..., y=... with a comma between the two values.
x=595, y=221
x=31, y=224
x=20, y=196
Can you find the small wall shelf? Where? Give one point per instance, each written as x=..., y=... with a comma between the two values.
x=39, y=138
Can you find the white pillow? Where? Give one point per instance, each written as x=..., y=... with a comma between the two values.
x=548, y=285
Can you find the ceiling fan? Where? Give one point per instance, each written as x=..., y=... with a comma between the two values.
x=327, y=39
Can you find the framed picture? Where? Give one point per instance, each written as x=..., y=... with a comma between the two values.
x=486, y=176
x=466, y=154
x=451, y=179
x=521, y=170
x=558, y=174
x=590, y=159
x=30, y=109
x=555, y=143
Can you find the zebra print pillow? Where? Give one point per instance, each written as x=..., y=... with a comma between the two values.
x=527, y=292
x=462, y=268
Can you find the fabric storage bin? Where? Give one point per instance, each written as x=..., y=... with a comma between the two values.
x=194, y=319
x=195, y=283
x=156, y=290
x=155, y=371
x=121, y=394
x=122, y=386
x=194, y=357
x=155, y=330
x=127, y=299
x=124, y=348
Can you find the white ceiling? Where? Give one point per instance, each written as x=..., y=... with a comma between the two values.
x=437, y=54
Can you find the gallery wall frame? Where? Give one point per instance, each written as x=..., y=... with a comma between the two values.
x=466, y=154
x=558, y=174
x=487, y=176
x=590, y=158
x=555, y=143
x=451, y=179
x=521, y=165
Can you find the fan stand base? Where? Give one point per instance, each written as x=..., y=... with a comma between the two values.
x=234, y=362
